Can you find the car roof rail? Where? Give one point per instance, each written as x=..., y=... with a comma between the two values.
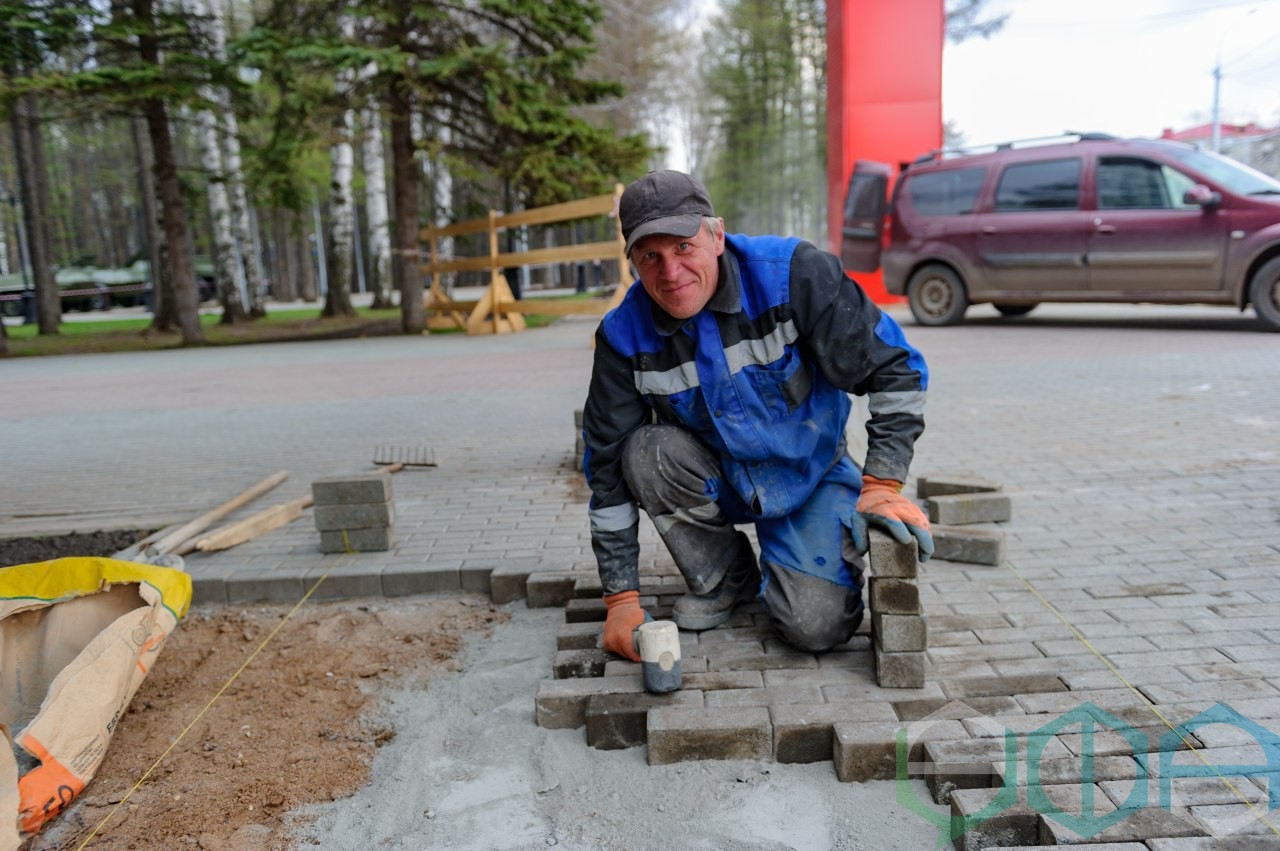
x=1065, y=136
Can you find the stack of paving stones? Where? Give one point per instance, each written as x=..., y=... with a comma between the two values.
x=956, y=504
x=355, y=513
x=899, y=631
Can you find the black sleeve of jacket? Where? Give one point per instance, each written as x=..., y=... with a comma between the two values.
x=613, y=411
x=839, y=326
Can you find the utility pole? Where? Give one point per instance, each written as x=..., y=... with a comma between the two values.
x=1216, y=138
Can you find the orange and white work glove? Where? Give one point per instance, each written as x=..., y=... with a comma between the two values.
x=883, y=504
x=624, y=616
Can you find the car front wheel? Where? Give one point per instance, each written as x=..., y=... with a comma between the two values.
x=1264, y=294
x=936, y=296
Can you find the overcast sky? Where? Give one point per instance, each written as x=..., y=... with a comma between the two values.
x=1128, y=67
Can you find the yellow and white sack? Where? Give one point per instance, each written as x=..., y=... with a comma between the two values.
x=77, y=637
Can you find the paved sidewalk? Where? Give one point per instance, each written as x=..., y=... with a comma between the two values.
x=1140, y=446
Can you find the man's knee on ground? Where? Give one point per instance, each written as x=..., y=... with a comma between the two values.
x=810, y=613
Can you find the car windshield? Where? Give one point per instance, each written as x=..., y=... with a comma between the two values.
x=1230, y=174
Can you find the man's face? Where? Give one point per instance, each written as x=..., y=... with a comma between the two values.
x=680, y=273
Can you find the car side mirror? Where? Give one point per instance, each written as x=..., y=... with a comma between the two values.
x=1201, y=196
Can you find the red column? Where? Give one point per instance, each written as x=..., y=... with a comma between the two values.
x=884, y=94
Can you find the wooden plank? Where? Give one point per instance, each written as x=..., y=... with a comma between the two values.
x=175, y=538
x=457, y=264
x=568, y=211
x=455, y=229
x=560, y=254
x=250, y=527
x=557, y=306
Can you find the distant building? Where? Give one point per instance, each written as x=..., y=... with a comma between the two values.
x=1249, y=143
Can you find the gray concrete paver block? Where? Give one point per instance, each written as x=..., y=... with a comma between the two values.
x=354, y=488
x=965, y=508
x=868, y=750
x=679, y=734
x=804, y=732
x=617, y=721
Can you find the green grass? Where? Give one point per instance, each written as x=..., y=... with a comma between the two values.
x=134, y=334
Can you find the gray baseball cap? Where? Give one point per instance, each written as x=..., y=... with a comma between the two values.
x=667, y=202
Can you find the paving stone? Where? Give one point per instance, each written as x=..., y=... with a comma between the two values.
x=358, y=540
x=969, y=545
x=1236, y=820
x=763, y=696
x=578, y=636
x=562, y=704
x=285, y=585
x=1016, y=824
x=1208, y=843
x=899, y=670
x=716, y=680
x=963, y=509
x=992, y=686
x=357, y=515
x=569, y=664
x=616, y=667
x=945, y=484
x=1053, y=772
x=584, y=611
x=679, y=734
x=1190, y=792
x=616, y=721
x=899, y=633
x=943, y=708
x=894, y=596
x=508, y=582
x=1104, y=846
x=965, y=763
x=868, y=750
x=1145, y=824
x=804, y=732
x=588, y=586
x=547, y=589
x=355, y=488
x=475, y=578
x=888, y=558
x=401, y=580
x=721, y=660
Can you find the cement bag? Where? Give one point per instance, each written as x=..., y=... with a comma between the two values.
x=77, y=637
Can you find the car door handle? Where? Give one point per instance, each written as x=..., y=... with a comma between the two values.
x=988, y=229
x=1106, y=228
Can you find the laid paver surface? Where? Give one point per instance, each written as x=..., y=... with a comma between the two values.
x=1139, y=448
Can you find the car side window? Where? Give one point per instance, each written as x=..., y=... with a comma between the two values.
x=946, y=193
x=1132, y=183
x=1048, y=185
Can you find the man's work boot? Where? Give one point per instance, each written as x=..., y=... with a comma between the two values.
x=741, y=583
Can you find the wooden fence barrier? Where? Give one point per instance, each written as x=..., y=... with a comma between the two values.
x=498, y=311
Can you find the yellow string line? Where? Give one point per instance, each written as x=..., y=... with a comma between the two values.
x=217, y=694
x=1262, y=815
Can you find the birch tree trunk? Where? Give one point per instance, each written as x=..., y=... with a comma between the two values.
x=342, y=210
x=224, y=241
x=229, y=135
x=375, y=178
x=226, y=268
x=342, y=206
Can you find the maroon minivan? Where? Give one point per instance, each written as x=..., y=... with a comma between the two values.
x=1096, y=219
